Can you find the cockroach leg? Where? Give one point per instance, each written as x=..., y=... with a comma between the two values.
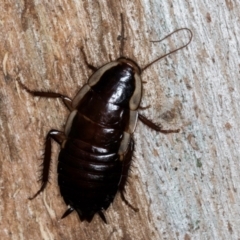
x=144, y=108
x=154, y=126
x=66, y=100
x=125, y=170
x=127, y=202
x=93, y=68
x=59, y=137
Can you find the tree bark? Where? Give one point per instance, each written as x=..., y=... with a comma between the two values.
x=186, y=185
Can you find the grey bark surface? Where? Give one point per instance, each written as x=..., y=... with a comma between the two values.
x=186, y=185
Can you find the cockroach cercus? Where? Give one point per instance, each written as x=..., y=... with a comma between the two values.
x=97, y=144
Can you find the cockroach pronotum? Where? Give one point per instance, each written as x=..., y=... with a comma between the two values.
x=97, y=144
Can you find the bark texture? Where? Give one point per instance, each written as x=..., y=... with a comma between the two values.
x=186, y=185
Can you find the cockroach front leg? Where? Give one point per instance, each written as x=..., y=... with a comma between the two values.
x=66, y=100
x=154, y=126
x=59, y=137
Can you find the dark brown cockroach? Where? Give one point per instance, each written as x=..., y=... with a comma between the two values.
x=97, y=144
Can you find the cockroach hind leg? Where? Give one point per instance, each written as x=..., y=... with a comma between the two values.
x=59, y=138
x=44, y=184
x=68, y=211
x=127, y=202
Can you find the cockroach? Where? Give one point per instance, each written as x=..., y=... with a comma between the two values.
x=97, y=144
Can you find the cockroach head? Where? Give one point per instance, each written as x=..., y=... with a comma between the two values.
x=130, y=63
